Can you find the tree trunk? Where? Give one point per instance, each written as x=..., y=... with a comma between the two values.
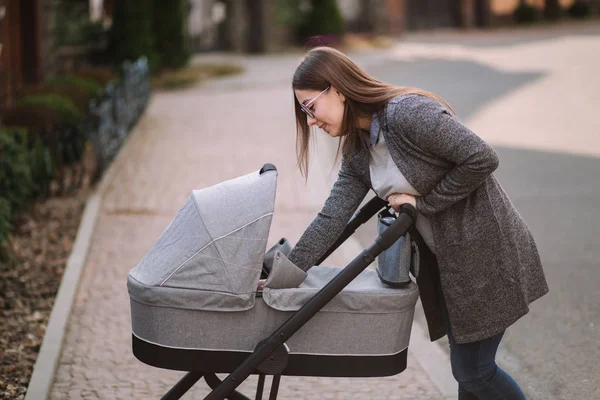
x=256, y=38
x=367, y=20
x=482, y=13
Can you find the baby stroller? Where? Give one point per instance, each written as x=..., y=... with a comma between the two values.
x=195, y=305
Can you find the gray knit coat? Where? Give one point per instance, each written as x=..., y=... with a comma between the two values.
x=488, y=263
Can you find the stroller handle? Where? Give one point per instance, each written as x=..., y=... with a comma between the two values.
x=389, y=237
x=267, y=167
x=363, y=215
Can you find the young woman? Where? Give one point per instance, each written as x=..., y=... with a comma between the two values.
x=481, y=268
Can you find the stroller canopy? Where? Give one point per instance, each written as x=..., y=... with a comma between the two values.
x=210, y=256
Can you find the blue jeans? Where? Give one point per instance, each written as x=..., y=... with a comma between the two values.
x=474, y=368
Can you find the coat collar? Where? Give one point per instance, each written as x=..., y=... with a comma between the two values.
x=374, y=131
x=359, y=159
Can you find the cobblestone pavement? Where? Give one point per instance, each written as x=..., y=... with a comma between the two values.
x=187, y=140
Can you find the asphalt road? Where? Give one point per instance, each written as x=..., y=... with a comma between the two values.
x=553, y=351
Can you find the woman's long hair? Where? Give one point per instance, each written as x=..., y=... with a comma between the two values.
x=325, y=66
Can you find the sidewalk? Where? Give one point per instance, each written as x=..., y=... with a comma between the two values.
x=188, y=140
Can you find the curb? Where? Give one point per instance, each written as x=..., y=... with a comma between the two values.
x=47, y=360
x=434, y=361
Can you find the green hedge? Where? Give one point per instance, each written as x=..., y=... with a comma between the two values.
x=324, y=18
x=92, y=87
x=131, y=35
x=27, y=166
x=16, y=184
x=60, y=104
x=66, y=140
x=5, y=228
x=525, y=13
x=76, y=95
x=34, y=118
x=169, y=33
x=78, y=90
x=101, y=75
x=55, y=139
x=73, y=26
x=579, y=9
x=5, y=223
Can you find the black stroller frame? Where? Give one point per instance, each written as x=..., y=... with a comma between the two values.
x=270, y=356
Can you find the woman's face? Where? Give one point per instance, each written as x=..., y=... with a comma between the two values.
x=328, y=109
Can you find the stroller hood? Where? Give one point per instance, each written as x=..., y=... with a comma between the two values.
x=210, y=256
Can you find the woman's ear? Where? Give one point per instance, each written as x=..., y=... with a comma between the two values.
x=340, y=95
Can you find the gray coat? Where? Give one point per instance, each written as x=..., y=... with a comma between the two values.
x=489, y=267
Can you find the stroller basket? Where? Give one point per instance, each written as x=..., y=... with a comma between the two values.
x=195, y=308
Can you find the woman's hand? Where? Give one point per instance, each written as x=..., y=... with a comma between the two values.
x=261, y=283
x=397, y=199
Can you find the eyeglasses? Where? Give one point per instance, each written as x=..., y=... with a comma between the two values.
x=306, y=108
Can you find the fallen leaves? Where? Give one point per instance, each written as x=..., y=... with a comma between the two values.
x=41, y=244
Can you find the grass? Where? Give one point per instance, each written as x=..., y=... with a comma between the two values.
x=191, y=75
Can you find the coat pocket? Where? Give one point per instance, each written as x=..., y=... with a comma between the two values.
x=474, y=263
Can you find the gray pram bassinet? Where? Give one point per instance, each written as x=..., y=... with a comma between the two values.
x=195, y=307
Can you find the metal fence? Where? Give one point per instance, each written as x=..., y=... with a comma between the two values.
x=114, y=113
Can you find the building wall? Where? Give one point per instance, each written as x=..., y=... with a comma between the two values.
x=396, y=14
x=10, y=55
x=398, y=17
x=402, y=15
x=28, y=53
x=505, y=7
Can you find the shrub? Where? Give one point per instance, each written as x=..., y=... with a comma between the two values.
x=525, y=13
x=5, y=229
x=55, y=138
x=73, y=26
x=69, y=19
x=93, y=33
x=552, y=10
x=34, y=118
x=16, y=184
x=324, y=18
x=15, y=169
x=579, y=9
x=169, y=37
x=67, y=111
x=288, y=13
x=5, y=226
x=130, y=35
x=78, y=96
x=101, y=75
x=92, y=87
x=43, y=169
x=41, y=123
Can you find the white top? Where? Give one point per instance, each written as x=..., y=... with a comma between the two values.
x=386, y=179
